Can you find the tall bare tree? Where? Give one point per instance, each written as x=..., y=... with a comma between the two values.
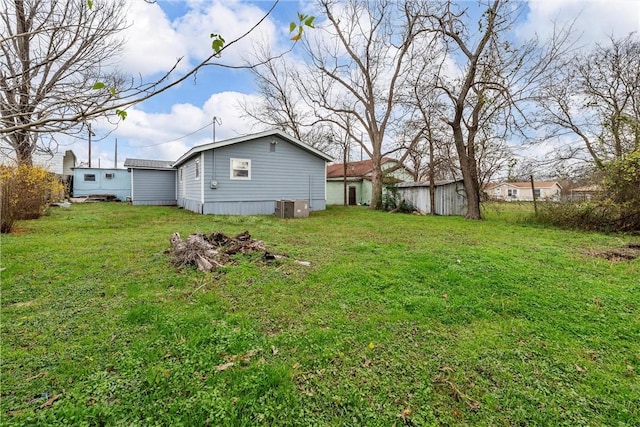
x=595, y=95
x=53, y=52
x=52, y=68
x=358, y=62
x=494, y=76
x=281, y=105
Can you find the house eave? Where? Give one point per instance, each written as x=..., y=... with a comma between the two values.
x=213, y=145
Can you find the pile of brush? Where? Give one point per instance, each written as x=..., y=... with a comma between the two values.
x=213, y=251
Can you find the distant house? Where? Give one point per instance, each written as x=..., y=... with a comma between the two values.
x=153, y=182
x=101, y=182
x=521, y=191
x=583, y=193
x=359, y=188
x=238, y=176
x=61, y=162
x=450, y=197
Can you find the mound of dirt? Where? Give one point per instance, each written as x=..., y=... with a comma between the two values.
x=624, y=253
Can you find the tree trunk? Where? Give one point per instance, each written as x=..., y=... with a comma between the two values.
x=376, y=183
x=469, y=174
x=432, y=177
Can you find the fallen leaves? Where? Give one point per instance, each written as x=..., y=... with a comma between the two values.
x=238, y=359
x=49, y=402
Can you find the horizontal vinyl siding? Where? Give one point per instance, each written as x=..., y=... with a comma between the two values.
x=190, y=186
x=286, y=173
x=154, y=187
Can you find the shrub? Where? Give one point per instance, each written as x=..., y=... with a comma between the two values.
x=391, y=200
x=617, y=208
x=25, y=192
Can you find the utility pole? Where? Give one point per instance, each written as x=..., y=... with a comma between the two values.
x=89, y=127
x=219, y=122
x=115, y=160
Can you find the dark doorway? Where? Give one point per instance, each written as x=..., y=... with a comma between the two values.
x=352, y=196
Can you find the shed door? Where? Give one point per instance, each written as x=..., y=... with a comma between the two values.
x=352, y=196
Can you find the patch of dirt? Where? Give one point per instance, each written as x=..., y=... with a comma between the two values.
x=624, y=253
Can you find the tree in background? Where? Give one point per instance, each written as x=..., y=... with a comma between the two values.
x=281, y=105
x=55, y=63
x=53, y=52
x=494, y=78
x=596, y=96
x=358, y=63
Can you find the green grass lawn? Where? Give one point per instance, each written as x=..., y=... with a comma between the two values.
x=401, y=319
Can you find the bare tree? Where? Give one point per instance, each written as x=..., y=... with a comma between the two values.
x=281, y=105
x=596, y=97
x=358, y=63
x=52, y=54
x=494, y=77
x=52, y=74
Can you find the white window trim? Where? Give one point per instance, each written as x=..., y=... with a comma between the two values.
x=197, y=166
x=202, y=179
x=240, y=178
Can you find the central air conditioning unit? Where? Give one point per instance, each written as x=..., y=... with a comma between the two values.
x=292, y=208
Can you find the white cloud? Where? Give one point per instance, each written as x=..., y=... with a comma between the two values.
x=230, y=19
x=152, y=44
x=166, y=136
x=595, y=20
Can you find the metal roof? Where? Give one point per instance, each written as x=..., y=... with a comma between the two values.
x=426, y=183
x=148, y=164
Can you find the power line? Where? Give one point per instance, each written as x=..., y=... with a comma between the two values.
x=173, y=140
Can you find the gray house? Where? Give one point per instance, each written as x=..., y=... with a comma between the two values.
x=153, y=182
x=238, y=176
x=450, y=198
x=246, y=175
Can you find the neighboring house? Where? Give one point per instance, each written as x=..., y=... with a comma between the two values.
x=584, y=193
x=239, y=176
x=521, y=191
x=450, y=197
x=153, y=182
x=359, y=186
x=101, y=182
x=61, y=162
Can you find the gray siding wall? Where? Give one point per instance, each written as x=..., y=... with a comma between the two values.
x=189, y=189
x=278, y=171
x=449, y=198
x=153, y=187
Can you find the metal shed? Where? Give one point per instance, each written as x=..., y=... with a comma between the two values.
x=450, y=198
x=153, y=182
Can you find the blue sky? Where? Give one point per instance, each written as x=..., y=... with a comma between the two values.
x=168, y=29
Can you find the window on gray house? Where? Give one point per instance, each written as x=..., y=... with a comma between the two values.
x=89, y=177
x=197, y=168
x=240, y=169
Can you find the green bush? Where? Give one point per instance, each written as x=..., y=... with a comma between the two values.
x=24, y=193
x=391, y=200
x=617, y=208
